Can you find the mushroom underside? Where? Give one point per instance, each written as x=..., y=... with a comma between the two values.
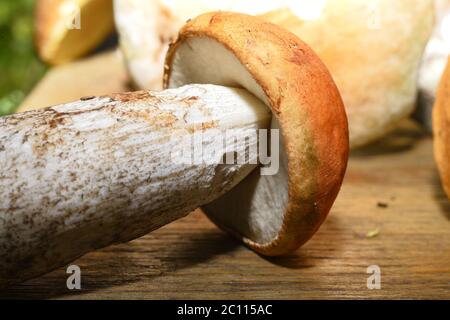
x=255, y=208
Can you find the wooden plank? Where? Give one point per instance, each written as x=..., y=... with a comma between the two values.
x=191, y=258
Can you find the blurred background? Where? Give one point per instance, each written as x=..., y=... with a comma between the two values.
x=19, y=65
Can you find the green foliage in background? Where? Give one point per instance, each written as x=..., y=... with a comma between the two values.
x=20, y=68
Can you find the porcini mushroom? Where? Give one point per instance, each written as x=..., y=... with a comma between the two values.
x=83, y=175
x=272, y=214
x=69, y=29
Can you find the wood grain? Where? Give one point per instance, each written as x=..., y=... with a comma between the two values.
x=391, y=186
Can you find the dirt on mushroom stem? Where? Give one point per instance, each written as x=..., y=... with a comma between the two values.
x=101, y=170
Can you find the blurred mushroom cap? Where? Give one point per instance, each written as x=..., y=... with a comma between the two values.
x=69, y=29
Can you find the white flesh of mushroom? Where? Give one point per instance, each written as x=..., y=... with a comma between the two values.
x=255, y=207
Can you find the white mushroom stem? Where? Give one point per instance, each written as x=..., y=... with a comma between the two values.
x=102, y=170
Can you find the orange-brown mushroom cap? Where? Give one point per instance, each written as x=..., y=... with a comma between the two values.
x=272, y=214
x=441, y=129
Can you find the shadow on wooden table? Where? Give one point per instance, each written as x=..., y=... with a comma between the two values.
x=440, y=196
x=123, y=264
x=401, y=139
x=330, y=235
x=297, y=260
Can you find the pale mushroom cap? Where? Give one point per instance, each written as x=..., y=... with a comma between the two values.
x=69, y=29
x=373, y=50
x=441, y=128
x=272, y=214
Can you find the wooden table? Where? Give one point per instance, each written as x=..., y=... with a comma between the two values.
x=391, y=212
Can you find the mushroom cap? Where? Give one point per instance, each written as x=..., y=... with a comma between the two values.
x=58, y=39
x=441, y=129
x=272, y=214
x=373, y=50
